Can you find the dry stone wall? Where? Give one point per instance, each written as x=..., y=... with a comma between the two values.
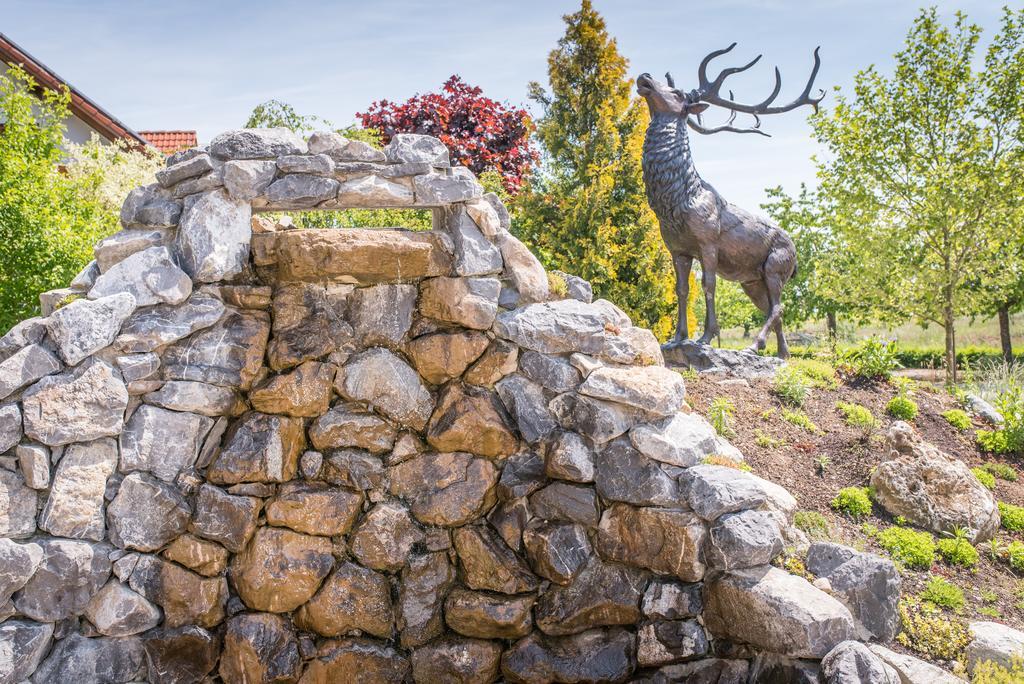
x=245, y=453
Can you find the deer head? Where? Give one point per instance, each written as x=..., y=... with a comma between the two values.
x=665, y=98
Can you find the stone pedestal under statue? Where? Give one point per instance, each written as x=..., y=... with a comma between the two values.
x=704, y=358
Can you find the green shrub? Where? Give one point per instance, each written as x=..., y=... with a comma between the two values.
x=1002, y=471
x=944, y=594
x=1015, y=555
x=854, y=501
x=818, y=373
x=856, y=415
x=970, y=356
x=957, y=418
x=911, y=548
x=1012, y=517
x=903, y=408
x=1010, y=403
x=720, y=415
x=813, y=523
x=993, y=441
x=557, y=285
x=874, y=359
x=791, y=386
x=958, y=551
x=929, y=632
x=800, y=419
x=990, y=672
x=984, y=477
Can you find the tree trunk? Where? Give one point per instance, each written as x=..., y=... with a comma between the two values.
x=1004, y=333
x=947, y=324
x=831, y=326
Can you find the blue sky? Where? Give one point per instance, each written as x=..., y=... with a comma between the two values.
x=204, y=65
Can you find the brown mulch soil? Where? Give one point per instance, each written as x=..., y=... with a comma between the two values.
x=813, y=467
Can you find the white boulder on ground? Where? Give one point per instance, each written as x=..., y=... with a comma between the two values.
x=991, y=641
x=932, y=489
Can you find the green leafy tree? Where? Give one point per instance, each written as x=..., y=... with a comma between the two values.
x=586, y=212
x=805, y=297
x=912, y=170
x=55, y=203
x=277, y=114
x=1003, y=107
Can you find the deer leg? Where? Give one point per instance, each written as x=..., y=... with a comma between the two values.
x=758, y=293
x=780, y=339
x=682, y=264
x=774, y=286
x=779, y=268
x=709, y=267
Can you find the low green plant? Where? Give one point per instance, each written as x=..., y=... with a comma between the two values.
x=1012, y=517
x=993, y=441
x=557, y=285
x=903, y=408
x=991, y=672
x=995, y=549
x=791, y=386
x=823, y=463
x=720, y=415
x=814, y=524
x=687, y=374
x=958, y=550
x=984, y=477
x=717, y=459
x=990, y=611
x=957, y=418
x=905, y=387
x=929, y=632
x=989, y=598
x=766, y=441
x=818, y=373
x=857, y=416
x=1015, y=555
x=801, y=420
x=874, y=359
x=794, y=565
x=1002, y=471
x=911, y=548
x=854, y=501
x=870, y=531
x=943, y=593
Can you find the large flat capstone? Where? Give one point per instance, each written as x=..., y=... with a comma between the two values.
x=363, y=257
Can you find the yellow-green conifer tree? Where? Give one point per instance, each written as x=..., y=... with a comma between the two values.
x=585, y=211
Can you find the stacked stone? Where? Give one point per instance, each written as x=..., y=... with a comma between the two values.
x=263, y=454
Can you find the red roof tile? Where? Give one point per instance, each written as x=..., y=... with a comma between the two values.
x=170, y=142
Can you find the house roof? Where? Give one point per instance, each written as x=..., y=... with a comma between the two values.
x=81, y=106
x=170, y=142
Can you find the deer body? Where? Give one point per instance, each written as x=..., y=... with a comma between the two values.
x=696, y=222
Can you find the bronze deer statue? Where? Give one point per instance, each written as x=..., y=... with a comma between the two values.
x=698, y=223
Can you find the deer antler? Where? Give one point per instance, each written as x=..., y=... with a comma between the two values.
x=708, y=91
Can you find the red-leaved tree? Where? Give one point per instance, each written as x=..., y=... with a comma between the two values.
x=481, y=134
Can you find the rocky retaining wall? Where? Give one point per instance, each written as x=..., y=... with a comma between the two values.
x=267, y=455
